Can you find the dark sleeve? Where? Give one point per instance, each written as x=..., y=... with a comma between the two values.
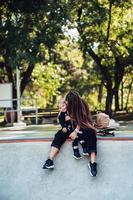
x=61, y=118
x=74, y=124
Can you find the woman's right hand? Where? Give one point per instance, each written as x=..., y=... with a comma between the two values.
x=73, y=135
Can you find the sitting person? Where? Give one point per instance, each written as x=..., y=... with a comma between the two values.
x=79, y=112
x=61, y=136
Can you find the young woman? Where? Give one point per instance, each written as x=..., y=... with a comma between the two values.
x=79, y=111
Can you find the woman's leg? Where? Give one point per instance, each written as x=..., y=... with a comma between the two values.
x=53, y=152
x=57, y=142
x=93, y=157
x=91, y=141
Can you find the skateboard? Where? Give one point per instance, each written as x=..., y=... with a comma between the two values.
x=106, y=132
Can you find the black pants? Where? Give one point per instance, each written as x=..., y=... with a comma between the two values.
x=60, y=139
x=77, y=141
x=88, y=136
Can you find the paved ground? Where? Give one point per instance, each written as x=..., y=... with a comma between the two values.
x=22, y=176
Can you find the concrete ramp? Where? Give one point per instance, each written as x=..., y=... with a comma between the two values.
x=22, y=176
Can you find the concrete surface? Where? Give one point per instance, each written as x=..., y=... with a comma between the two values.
x=22, y=178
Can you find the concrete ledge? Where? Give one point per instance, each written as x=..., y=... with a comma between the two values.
x=50, y=139
x=23, y=178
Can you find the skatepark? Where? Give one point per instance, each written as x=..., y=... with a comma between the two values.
x=23, y=152
x=66, y=62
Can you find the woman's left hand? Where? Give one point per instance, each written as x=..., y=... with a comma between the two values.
x=73, y=135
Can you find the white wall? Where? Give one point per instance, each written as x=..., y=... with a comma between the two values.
x=5, y=94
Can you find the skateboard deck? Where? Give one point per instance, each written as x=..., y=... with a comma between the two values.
x=106, y=132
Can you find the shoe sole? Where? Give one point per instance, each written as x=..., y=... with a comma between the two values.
x=90, y=171
x=77, y=158
x=85, y=154
x=51, y=167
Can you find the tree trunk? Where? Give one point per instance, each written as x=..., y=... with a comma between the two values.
x=122, y=95
x=24, y=82
x=108, y=80
x=116, y=95
x=119, y=73
x=129, y=91
x=109, y=99
x=26, y=78
x=9, y=72
x=100, y=92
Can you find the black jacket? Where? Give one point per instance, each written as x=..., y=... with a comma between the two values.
x=65, y=124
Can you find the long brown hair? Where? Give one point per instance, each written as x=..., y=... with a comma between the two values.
x=79, y=110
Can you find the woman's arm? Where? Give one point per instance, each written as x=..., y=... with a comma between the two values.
x=73, y=135
x=77, y=129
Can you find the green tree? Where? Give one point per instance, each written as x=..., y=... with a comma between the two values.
x=44, y=84
x=105, y=36
x=29, y=32
x=34, y=35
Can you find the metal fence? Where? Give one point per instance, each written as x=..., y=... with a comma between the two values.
x=16, y=114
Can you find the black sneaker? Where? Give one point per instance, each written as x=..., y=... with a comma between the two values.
x=76, y=154
x=48, y=164
x=85, y=153
x=93, y=168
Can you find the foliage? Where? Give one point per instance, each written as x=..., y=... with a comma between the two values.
x=44, y=84
x=37, y=37
x=29, y=32
x=105, y=35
